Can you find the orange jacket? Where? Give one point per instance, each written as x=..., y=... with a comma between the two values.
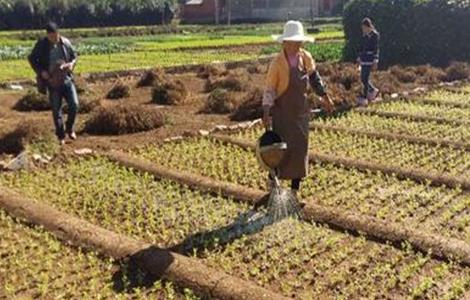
x=277, y=80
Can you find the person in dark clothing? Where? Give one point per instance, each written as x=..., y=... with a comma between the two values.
x=368, y=60
x=53, y=59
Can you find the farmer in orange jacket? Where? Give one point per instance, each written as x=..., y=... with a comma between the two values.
x=285, y=104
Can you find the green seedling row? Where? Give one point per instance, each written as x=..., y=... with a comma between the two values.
x=308, y=261
x=446, y=96
x=161, y=212
x=373, y=194
x=35, y=265
x=19, y=69
x=426, y=110
x=400, y=154
x=431, y=130
x=292, y=257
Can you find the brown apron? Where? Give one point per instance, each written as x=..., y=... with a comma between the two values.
x=290, y=120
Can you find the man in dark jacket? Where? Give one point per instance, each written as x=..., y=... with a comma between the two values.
x=53, y=59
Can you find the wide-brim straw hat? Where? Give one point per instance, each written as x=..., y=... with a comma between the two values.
x=293, y=32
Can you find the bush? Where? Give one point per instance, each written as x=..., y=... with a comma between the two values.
x=412, y=31
x=26, y=133
x=119, y=91
x=33, y=101
x=16, y=14
x=123, y=119
x=169, y=93
x=220, y=101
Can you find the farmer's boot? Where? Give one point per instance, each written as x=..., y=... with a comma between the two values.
x=73, y=135
x=362, y=101
x=372, y=96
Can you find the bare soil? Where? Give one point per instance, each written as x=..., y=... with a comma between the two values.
x=186, y=118
x=181, y=119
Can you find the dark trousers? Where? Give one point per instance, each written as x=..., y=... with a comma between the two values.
x=295, y=183
x=366, y=82
x=69, y=92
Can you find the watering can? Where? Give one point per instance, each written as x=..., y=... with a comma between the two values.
x=270, y=150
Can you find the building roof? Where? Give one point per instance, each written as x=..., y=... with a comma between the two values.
x=194, y=2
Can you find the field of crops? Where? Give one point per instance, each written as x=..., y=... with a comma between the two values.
x=295, y=258
x=450, y=113
x=309, y=260
x=456, y=133
x=36, y=265
x=436, y=159
x=99, y=54
x=378, y=195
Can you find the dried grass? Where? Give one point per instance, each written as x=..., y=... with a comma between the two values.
x=118, y=91
x=405, y=75
x=150, y=78
x=457, y=71
x=250, y=107
x=170, y=92
x=220, y=101
x=208, y=71
x=33, y=101
x=26, y=132
x=86, y=105
x=124, y=119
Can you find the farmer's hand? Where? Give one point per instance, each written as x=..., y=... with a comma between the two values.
x=45, y=75
x=67, y=67
x=328, y=104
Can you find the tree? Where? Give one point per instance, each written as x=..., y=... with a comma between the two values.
x=23, y=14
x=217, y=11
x=229, y=12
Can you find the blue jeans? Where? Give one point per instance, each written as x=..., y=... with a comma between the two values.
x=366, y=82
x=69, y=92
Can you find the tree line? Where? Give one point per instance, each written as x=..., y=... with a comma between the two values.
x=412, y=31
x=33, y=14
